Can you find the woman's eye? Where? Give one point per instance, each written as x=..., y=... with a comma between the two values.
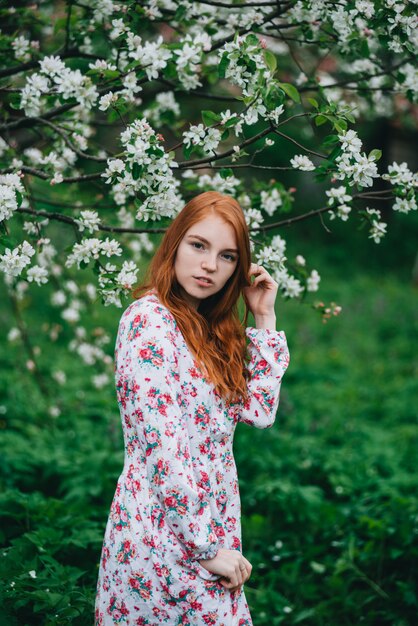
x=196, y=244
x=230, y=257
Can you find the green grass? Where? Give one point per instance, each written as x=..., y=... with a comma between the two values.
x=328, y=493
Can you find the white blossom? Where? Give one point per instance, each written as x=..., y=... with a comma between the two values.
x=127, y=276
x=271, y=200
x=292, y=288
x=60, y=377
x=253, y=217
x=92, y=248
x=312, y=282
x=107, y=100
x=101, y=64
x=13, y=334
x=364, y=170
x=268, y=256
x=100, y=380
x=88, y=220
x=114, y=166
x=21, y=47
x=71, y=315
x=399, y=174
x=338, y=195
x=226, y=185
x=58, y=298
x=301, y=162
x=52, y=66
x=207, y=138
x=37, y=274
x=404, y=205
x=8, y=202
x=152, y=55
x=377, y=231
x=275, y=114
x=279, y=245
x=350, y=142
x=12, y=262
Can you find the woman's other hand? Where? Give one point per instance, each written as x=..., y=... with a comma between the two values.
x=231, y=565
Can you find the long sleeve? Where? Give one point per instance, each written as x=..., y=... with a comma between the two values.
x=269, y=358
x=147, y=361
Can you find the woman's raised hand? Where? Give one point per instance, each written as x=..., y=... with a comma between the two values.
x=231, y=565
x=261, y=294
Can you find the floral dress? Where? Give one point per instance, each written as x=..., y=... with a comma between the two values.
x=177, y=498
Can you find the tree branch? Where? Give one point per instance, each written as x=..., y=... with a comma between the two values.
x=58, y=217
x=65, y=137
x=299, y=144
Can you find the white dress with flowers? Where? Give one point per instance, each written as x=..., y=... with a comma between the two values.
x=177, y=498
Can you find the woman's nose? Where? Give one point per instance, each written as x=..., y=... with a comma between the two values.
x=209, y=264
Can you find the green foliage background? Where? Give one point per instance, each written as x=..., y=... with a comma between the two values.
x=328, y=494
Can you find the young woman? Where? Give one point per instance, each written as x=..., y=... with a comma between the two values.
x=185, y=377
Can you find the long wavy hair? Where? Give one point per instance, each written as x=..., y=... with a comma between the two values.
x=214, y=332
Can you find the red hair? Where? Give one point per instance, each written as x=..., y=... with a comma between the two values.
x=214, y=332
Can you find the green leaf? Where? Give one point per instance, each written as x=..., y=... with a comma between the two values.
x=330, y=140
x=252, y=40
x=320, y=119
x=313, y=102
x=270, y=60
x=210, y=117
x=377, y=154
x=136, y=171
x=291, y=91
x=187, y=151
x=340, y=126
x=223, y=66
x=226, y=172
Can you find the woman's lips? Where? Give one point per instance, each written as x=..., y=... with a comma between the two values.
x=203, y=282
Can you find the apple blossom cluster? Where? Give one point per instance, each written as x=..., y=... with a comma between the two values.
x=10, y=186
x=302, y=162
x=352, y=22
x=291, y=286
x=88, y=220
x=338, y=198
x=144, y=172
x=353, y=166
x=378, y=228
x=13, y=262
x=92, y=249
x=115, y=283
x=404, y=182
x=55, y=78
x=243, y=64
x=207, y=139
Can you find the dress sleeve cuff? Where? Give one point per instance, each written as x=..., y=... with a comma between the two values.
x=210, y=553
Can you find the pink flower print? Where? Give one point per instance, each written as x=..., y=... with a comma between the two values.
x=170, y=502
x=145, y=354
x=194, y=373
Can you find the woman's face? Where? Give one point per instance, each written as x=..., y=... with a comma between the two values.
x=206, y=258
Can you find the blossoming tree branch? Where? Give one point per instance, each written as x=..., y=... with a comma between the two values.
x=114, y=114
